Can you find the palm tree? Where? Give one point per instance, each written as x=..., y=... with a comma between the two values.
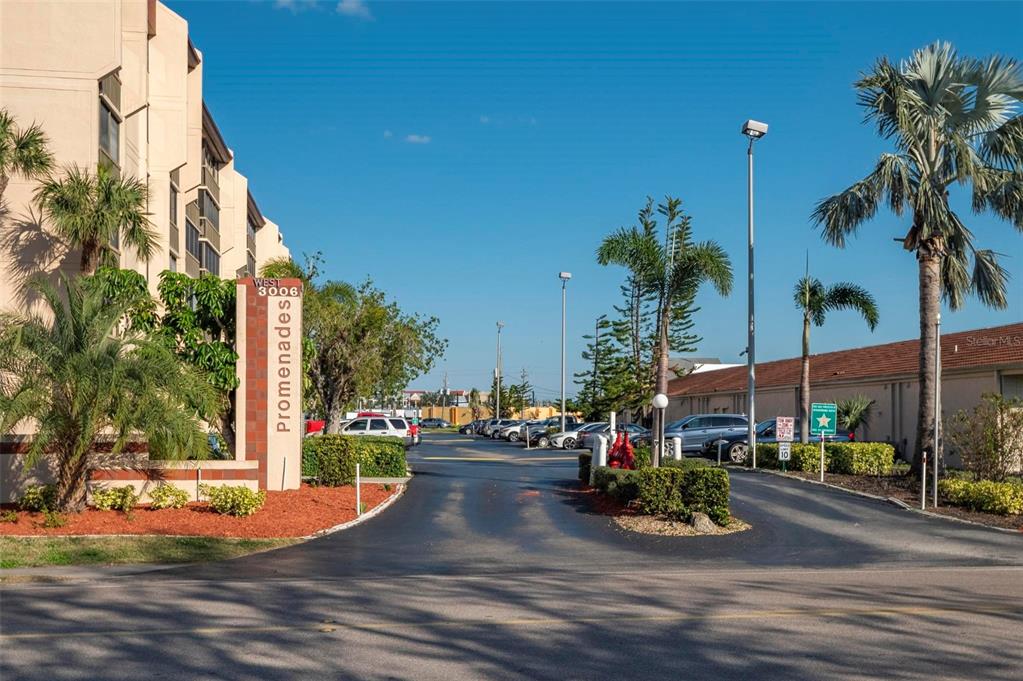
x=91, y=211
x=815, y=300
x=22, y=151
x=672, y=272
x=87, y=386
x=952, y=120
x=854, y=412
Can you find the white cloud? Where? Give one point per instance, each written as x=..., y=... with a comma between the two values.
x=354, y=8
x=484, y=119
x=388, y=134
x=417, y=139
x=294, y=5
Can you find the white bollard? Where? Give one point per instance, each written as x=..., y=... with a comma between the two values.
x=611, y=420
x=358, y=491
x=676, y=447
x=599, y=457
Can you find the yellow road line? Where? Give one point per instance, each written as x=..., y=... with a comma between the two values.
x=610, y=618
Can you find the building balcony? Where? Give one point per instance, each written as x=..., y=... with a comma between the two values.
x=209, y=180
x=192, y=212
x=174, y=238
x=192, y=268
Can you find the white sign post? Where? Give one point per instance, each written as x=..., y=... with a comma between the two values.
x=784, y=433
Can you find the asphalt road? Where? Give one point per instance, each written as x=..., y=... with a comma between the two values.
x=491, y=567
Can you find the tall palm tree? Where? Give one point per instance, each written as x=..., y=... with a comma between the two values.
x=672, y=272
x=91, y=211
x=815, y=300
x=88, y=385
x=952, y=120
x=23, y=151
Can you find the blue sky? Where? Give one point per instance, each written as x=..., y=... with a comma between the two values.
x=462, y=154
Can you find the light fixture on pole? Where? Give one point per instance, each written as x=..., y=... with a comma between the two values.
x=564, y=277
x=754, y=130
x=497, y=374
x=660, y=403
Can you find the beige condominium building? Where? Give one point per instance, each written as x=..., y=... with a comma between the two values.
x=119, y=83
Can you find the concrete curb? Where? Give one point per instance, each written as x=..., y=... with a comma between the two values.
x=62, y=574
x=398, y=493
x=890, y=500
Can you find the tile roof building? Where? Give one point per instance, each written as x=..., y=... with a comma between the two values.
x=973, y=363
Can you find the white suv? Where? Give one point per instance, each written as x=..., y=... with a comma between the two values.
x=384, y=426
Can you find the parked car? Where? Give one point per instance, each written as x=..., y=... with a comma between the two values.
x=634, y=429
x=494, y=425
x=696, y=430
x=504, y=427
x=386, y=426
x=570, y=439
x=469, y=428
x=734, y=445
x=513, y=432
x=434, y=423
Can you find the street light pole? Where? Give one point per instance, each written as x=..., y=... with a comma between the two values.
x=754, y=130
x=564, y=277
x=497, y=372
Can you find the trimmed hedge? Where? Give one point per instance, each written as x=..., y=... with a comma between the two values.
x=1003, y=498
x=679, y=492
x=686, y=463
x=851, y=458
x=585, y=461
x=331, y=459
x=618, y=483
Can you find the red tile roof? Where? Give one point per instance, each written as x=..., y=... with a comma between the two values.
x=994, y=347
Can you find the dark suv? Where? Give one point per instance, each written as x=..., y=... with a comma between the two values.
x=734, y=444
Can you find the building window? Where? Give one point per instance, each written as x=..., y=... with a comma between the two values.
x=192, y=240
x=174, y=263
x=208, y=209
x=210, y=260
x=109, y=133
x=250, y=262
x=208, y=161
x=250, y=229
x=173, y=206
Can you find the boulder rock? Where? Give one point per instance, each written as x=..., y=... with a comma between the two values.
x=703, y=524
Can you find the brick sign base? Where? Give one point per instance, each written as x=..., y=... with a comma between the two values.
x=269, y=411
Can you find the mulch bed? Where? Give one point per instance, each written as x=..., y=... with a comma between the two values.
x=629, y=518
x=293, y=513
x=907, y=489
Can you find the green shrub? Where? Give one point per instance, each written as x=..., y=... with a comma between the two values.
x=686, y=463
x=860, y=458
x=168, y=496
x=618, y=483
x=1003, y=498
x=644, y=456
x=332, y=458
x=678, y=492
x=53, y=520
x=585, y=460
x=9, y=517
x=38, y=498
x=852, y=458
x=236, y=500
x=115, y=498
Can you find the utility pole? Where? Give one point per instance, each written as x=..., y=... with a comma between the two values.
x=497, y=373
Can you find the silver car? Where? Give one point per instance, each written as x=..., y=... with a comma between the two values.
x=698, y=429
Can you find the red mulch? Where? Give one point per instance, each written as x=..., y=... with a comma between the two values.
x=294, y=513
x=603, y=504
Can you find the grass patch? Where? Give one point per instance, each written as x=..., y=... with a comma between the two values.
x=18, y=552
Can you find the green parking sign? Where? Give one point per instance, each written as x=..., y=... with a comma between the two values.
x=823, y=418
